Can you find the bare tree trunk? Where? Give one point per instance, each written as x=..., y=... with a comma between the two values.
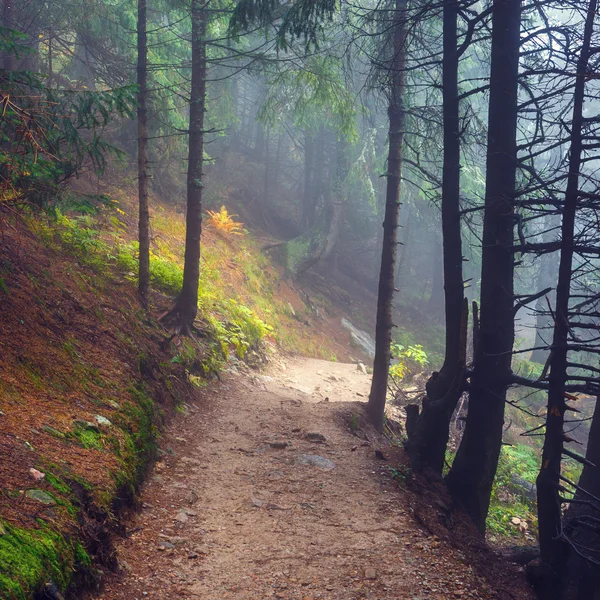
x=267, y=168
x=581, y=580
x=404, y=246
x=427, y=449
x=8, y=23
x=435, y=304
x=142, y=114
x=552, y=546
x=308, y=191
x=472, y=474
x=186, y=306
x=543, y=323
x=383, y=328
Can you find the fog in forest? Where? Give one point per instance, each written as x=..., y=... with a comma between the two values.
x=201, y=192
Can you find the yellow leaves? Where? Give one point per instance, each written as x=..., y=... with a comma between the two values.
x=223, y=222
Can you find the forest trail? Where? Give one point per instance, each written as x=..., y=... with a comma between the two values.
x=233, y=510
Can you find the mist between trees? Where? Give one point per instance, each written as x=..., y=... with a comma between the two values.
x=470, y=130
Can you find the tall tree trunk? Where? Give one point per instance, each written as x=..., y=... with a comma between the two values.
x=427, y=448
x=8, y=23
x=435, y=304
x=319, y=186
x=581, y=580
x=259, y=141
x=472, y=474
x=267, y=168
x=552, y=546
x=404, y=245
x=544, y=323
x=383, y=327
x=142, y=114
x=308, y=192
x=186, y=306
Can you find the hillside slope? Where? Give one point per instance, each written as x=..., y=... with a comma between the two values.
x=87, y=378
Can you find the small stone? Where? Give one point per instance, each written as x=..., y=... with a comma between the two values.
x=102, y=420
x=52, y=431
x=36, y=475
x=192, y=497
x=279, y=445
x=370, y=573
x=182, y=517
x=361, y=367
x=515, y=521
x=82, y=424
x=41, y=496
x=192, y=555
x=190, y=513
x=257, y=502
x=165, y=545
x=124, y=566
x=315, y=461
x=272, y=506
x=318, y=438
x=2, y=530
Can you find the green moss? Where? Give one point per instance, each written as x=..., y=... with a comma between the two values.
x=140, y=427
x=57, y=483
x=89, y=438
x=29, y=559
x=296, y=252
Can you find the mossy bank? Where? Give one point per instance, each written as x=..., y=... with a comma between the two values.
x=86, y=382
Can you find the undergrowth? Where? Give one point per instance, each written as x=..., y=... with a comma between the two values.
x=229, y=323
x=238, y=292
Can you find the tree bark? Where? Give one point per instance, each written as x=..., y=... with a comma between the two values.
x=581, y=580
x=472, y=474
x=552, y=547
x=543, y=321
x=383, y=327
x=308, y=193
x=186, y=306
x=8, y=23
x=142, y=114
x=435, y=304
x=427, y=448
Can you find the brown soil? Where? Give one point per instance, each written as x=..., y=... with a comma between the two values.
x=232, y=513
x=69, y=351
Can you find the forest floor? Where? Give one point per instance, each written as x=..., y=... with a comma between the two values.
x=270, y=486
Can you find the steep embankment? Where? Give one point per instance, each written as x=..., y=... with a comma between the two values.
x=84, y=383
x=87, y=378
x=273, y=488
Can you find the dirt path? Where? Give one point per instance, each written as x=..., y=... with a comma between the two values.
x=266, y=492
